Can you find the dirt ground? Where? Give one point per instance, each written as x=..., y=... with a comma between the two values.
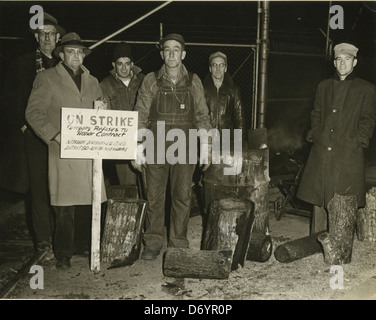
x=305, y=279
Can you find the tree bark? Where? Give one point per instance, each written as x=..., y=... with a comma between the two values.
x=366, y=218
x=228, y=227
x=338, y=243
x=121, y=241
x=199, y=264
x=298, y=249
x=260, y=247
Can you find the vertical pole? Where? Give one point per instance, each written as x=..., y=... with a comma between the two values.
x=263, y=64
x=161, y=30
x=327, y=51
x=96, y=205
x=256, y=68
x=96, y=216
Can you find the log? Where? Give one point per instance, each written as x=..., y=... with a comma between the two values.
x=252, y=183
x=123, y=191
x=366, y=218
x=260, y=247
x=199, y=264
x=338, y=243
x=121, y=243
x=228, y=228
x=298, y=249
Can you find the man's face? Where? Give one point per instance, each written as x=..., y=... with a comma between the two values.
x=47, y=38
x=344, y=64
x=123, y=67
x=173, y=53
x=72, y=57
x=218, y=68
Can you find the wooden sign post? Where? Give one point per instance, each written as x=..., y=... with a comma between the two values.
x=98, y=134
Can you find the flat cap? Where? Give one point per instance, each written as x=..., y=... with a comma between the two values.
x=217, y=54
x=172, y=36
x=345, y=48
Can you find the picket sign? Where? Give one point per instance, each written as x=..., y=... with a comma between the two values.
x=98, y=134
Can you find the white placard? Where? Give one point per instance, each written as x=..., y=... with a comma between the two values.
x=98, y=134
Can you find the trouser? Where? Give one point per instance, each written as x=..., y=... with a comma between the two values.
x=125, y=173
x=319, y=221
x=73, y=230
x=37, y=165
x=157, y=176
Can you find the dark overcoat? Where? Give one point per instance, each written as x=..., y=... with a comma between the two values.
x=342, y=123
x=17, y=88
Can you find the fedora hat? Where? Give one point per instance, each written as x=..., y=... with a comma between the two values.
x=50, y=20
x=72, y=40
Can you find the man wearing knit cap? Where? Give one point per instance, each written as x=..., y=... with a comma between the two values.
x=120, y=89
x=170, y=98
x=342, y=122
x=25, y=157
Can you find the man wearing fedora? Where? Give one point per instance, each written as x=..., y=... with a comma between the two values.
x=174, y=97
x=120, y=89
x=342, y=123
x=69, y=84
x=25, y=157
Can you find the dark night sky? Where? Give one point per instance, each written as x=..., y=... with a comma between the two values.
x=199, y=21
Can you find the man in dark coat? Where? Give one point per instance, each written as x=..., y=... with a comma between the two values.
x=222, y=95
x=25, y=156
x=342, y=123
x=120, y=88
x=224, y=102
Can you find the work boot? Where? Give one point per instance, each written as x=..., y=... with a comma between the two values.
x=63, y=263
x=46, y=248
x=150, y=253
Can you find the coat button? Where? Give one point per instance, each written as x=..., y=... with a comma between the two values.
x=329, y=148
x=334, y=110
x=332, y=130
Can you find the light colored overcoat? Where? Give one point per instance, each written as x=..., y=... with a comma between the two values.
x=70, y=180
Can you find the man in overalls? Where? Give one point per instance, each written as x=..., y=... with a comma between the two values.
x=171, y=98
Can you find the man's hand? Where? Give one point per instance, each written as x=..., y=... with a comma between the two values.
x=136, y=165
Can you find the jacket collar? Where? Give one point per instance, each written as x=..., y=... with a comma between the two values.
x=227, y=80
x=183, y=72
x=68, y=81
x=351, y=76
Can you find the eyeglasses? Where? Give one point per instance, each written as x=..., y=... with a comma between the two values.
x=221, y=65
x=45, y=35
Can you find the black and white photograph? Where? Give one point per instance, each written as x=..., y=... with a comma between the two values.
x=191, y=155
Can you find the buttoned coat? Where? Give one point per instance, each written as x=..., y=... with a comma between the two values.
x=70, y=180
x=341, y=126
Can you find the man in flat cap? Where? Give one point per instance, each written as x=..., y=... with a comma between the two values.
x=69, y=84
x=120, y=89
x=342, y=122
x=25, y=156
x=170, y=98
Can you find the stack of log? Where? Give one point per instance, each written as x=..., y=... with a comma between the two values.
x=366, y=218
x=125, y=215
x=338, y=243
